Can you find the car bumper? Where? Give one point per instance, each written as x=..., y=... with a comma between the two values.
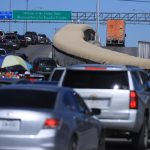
x=41, y=141
x=132, y=124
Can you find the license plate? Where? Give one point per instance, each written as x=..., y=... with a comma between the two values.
x=97, y=103
x=48, y=69
x=9, y=125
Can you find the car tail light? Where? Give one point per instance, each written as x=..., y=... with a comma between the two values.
x=37, y=68
x=32, y=79
x=133, y=100
x=51, y=123
x=94, y=68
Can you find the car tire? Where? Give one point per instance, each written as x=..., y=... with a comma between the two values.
x=101, y=143
x=140, y=140
x=73, y=143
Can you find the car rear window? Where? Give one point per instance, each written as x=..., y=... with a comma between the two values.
x=96, y=79
x=28, y=99
x=11, y=37
x=57, y=75
x=47, y=62
x=2, y=52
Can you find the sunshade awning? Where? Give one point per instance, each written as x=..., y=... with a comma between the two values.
x=11, y=60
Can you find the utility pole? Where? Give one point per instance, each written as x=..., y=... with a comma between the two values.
x=10, y=11
x=97, y=21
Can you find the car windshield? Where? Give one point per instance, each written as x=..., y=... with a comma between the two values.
x=57, y=75
x=2, y=52
x=47, y=63
x=96, y=79
x=10, y=37
x=32, y=98
x=30, y=33
x=21, y=37
x=42, y=35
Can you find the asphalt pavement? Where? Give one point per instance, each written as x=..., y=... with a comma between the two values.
x=120, y=144
x=33, y=51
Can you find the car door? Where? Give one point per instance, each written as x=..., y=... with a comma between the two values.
x=88, y=126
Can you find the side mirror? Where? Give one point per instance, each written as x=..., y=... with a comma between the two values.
x=95, y=111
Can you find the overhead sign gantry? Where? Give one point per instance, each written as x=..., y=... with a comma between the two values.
x=31, y=16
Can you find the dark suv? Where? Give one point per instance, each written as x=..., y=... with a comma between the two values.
x=44, y=66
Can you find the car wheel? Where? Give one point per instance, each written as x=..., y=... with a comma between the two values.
x=101, y=143
x=140, y=140
x=73, y=144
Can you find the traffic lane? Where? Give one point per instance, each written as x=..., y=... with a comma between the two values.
x=120, y=144
x=33, y=51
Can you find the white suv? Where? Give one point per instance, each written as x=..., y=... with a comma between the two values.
x=121, y=92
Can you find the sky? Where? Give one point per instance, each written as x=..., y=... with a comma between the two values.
x=134, y=33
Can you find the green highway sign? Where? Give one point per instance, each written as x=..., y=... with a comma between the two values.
x=41, y=15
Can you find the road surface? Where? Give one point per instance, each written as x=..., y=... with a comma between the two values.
x=33, y=51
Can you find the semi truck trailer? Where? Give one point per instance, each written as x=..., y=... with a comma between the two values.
x=115, y=35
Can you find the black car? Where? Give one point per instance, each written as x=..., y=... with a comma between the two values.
x=33, y=36
x=44, y=66
x=23, y=40
x=42, y=39
x=14, y=39
x=6, y=44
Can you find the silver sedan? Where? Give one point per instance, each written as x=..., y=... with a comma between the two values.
x=44, y=117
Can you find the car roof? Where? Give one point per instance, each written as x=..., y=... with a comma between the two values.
x=36, y=87
x=2, y=49
x=103, y=67
x=9, y=81
x=43, y=59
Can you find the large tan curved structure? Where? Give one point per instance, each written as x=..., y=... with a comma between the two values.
x=70, y=39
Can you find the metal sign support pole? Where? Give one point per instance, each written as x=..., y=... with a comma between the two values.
x=9, y=19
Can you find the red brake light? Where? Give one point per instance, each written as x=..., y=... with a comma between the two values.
x=94, y=68
x=52, y=123
x=133, y=100
x=32, y=79
x=38, y=68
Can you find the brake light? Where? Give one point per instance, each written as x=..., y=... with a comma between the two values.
x=51, y=123
x=38, y=68
x=94, y=68
x=133, y=100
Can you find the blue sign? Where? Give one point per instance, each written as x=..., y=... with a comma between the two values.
x=6, y=15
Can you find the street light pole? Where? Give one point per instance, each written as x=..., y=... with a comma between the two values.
x=97, y=21
x=10, y=11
